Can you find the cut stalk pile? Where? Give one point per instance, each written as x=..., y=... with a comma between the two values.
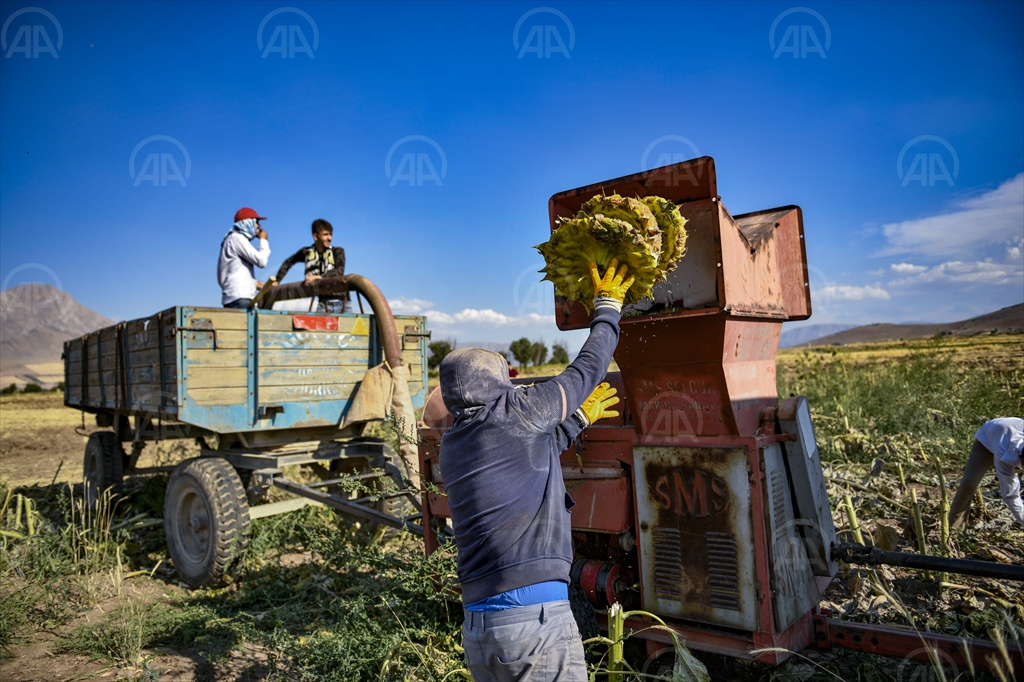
x=647, y=235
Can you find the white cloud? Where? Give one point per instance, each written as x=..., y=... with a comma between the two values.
x=843, y=292
x=486, y=317
x=906, y=268
x=980, y=272
x=990, y=218
x=409, y=306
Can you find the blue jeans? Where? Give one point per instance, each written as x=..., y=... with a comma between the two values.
x=330, y=305
x=239, y=303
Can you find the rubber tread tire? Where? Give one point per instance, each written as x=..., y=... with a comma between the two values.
x=217, y=483
x=110, y=457
x=583, y=612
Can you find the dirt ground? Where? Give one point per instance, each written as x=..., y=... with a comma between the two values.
x=38, y=436
x=37, y=662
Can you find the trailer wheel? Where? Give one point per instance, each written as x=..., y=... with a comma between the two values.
x=103, y=466
x=206, y=520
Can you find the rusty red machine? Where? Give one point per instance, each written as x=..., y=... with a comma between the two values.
x=705, y=501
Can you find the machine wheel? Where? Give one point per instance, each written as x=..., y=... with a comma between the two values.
x=206, y=520
x=103, y=467
x=583, y=612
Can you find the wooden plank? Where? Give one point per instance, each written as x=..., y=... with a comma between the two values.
x=150, y=356
x=215, y=358
x=221, y=319
x=298, y=357
x=218, y=396
x=226, y=339
x=144, y=375
x=311, y=340
x=276, y=395
x=150, y=394
x=218, y=377
x=309, y=376
x=141, y=340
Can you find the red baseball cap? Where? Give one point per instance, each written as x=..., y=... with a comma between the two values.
x=244, y=213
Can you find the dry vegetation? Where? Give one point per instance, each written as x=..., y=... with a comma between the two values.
x=93, y=595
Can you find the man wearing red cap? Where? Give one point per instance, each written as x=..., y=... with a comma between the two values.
x=238, y=284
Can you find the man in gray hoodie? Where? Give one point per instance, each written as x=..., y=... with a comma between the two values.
x=509, y=507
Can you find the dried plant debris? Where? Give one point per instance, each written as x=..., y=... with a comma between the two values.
x=950, y=604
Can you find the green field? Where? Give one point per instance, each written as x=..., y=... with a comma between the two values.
x=316, y=598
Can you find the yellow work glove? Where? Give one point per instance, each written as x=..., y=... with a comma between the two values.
x=610, y=290
x=596, y=406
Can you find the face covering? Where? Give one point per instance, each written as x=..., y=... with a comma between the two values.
x=247, y=227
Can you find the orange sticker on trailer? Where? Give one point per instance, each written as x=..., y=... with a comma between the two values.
x=315, y=323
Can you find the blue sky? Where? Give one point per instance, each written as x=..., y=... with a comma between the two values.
x=301, y=128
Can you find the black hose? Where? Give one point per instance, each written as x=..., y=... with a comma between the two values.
x=853, y=553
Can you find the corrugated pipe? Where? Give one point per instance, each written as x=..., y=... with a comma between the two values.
x=385, y=319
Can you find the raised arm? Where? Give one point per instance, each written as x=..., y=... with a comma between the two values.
x=297, y=257
x=550, y=403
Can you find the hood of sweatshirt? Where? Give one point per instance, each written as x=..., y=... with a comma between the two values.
x=472, y=378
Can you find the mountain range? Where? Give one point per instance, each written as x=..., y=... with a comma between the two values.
x=35, y=321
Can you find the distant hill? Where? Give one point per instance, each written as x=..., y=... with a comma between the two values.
x=1006, y=321
x=808, y=333
x=35, y=321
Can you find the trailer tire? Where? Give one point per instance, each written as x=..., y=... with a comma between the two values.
x=206, y=520
x=103, y=466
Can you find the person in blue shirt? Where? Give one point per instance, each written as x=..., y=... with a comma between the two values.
x=509, y=507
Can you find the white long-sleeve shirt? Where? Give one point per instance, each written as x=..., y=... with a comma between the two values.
x=1005, y=440
x=235, y=267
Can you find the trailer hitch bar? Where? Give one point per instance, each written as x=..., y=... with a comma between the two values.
x=854, y=553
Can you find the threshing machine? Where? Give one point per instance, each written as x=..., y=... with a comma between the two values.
x=705, y=501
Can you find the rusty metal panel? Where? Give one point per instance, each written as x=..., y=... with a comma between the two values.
x=811, y=494
x=764, y=264
x=602, y=504
x=794, y=589
x=748, y=363
x=697, y=376
x=696, y=536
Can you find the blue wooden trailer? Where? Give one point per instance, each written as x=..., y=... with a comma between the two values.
x=258, y=390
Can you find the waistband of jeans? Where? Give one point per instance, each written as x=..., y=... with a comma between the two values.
x=520, y=614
